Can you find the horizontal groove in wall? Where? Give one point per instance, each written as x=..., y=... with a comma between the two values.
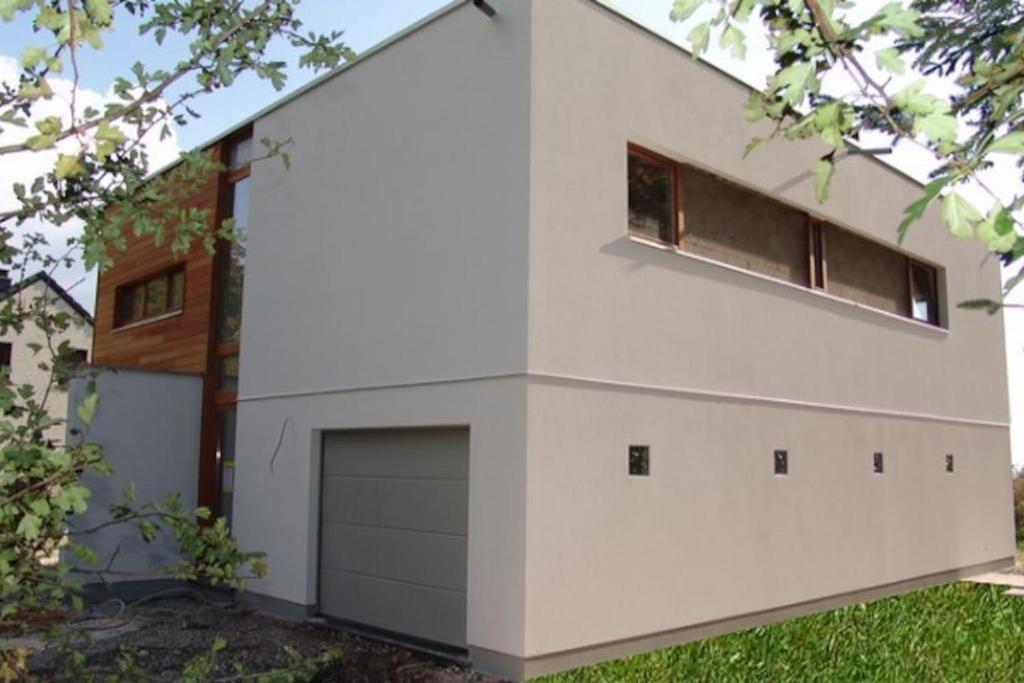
x=643, y=387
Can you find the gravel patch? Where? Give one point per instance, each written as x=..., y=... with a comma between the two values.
x=166, y=633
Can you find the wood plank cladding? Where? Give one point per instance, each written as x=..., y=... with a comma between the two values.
x=179, y=341
x=733, y=225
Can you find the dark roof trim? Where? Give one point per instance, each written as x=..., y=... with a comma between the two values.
x=44, y=277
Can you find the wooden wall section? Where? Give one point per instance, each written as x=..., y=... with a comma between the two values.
x=179, y=342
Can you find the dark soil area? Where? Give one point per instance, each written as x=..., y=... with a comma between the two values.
x=164, y=634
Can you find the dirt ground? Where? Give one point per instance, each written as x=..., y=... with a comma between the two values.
x=166, y=633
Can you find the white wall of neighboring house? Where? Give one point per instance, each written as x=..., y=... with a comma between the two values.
x=25, y=362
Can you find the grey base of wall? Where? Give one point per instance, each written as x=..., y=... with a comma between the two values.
x=518, y=668
x=276, y=607
x=131, y=591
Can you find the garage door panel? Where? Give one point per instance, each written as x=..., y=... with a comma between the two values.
x=397, y=453
x=438, y=505
x=431, y=614
x=393, y=531
x=429, y=559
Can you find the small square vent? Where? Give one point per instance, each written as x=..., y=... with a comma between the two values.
x=639, y=461
x=781, y=462
x=879, y=463
x=950, y=465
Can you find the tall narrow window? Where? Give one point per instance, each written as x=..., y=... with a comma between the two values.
x=924, y=304
x=652, y=196
x=5, y=355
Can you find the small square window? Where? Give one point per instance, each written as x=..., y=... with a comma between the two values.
x=950, y=465
x=879, y=463
x=639, y=461
x=781, y=462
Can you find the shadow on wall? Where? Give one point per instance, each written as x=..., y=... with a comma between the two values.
x=641, y=255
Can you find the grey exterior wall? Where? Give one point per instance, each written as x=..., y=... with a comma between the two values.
x=450, y=249
x=148, y=426
x=385, y=282
x=715, y=368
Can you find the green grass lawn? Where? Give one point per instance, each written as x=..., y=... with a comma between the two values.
x=959, y=632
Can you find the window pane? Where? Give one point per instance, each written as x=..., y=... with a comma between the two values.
x=226, y=463
x=137, y=298
x=5, y=354
x=923, y=300
x=232, y=276
x=156, y=296
x=240, y=153
x=228, y=373
x=177, y=290
x=867, y=272
x=651, y=198
x=737, y=226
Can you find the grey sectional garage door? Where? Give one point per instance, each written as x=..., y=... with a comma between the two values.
x=394, y=508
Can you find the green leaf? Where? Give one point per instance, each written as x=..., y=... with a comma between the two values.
x=32, y=56
x=753, y=110
x=823, y=170
x=684, y=9
x=900, y=20
x=913, y=213
x=87, y=410
x=734, y=39
x=793, y=81
x=1011, y=143
x=889, y=59
x=698, y=37
x=988, y=305
x=996, y=231
x=938, y=126
x=751, y=146
x=29, y=527
x=110, y=133
x=100, y=11
x=67, y=166
x=959, y=215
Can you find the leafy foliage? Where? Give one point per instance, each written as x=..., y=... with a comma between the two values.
x=975, y=45
x=98, y=178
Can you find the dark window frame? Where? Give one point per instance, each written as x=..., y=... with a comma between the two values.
x=675, y=189
x=932, y=273
x=6, y=354
x=124, y=290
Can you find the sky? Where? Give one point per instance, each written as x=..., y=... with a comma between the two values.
x=367, y=23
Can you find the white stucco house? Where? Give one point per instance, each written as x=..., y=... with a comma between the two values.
x=534, y=368
x=16, y=348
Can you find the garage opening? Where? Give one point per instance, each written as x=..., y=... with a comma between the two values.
x=393, y=528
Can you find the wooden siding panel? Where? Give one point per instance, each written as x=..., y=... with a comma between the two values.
x=179, y=342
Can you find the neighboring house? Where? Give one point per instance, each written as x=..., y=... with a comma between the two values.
x=533, y=364
x=16, y=348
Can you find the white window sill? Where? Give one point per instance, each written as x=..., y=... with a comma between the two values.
x=148, y=321
x=662, y=246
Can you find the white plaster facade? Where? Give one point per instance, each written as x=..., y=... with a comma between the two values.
x=25, y=361
x=450, y=248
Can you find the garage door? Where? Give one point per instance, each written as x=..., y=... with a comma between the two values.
x=394, y=507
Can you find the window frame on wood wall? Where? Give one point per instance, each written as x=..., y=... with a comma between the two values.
x=121, y=291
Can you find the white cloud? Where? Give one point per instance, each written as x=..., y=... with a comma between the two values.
x=26, y=166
